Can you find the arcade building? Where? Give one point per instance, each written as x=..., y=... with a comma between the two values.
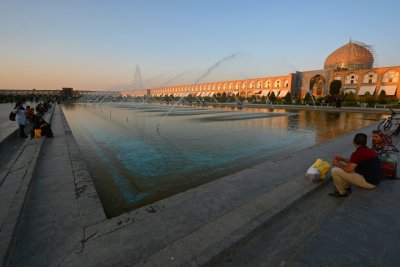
x=352, y=64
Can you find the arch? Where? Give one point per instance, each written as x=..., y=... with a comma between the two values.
x=237, y=86
x=244, y=85
x=286, y=83
x=251, y=85
x=351, y=78
x=230, y=86
x=277, y=83
x=370, y=77
x=259, y=84
x=391, y=76
x=267, y=84
x=317, y=85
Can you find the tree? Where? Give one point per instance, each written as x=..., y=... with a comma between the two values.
x=350, y=100
x=223, y=97
x=335, y=86
x=370, y=99
x=272, y=97
x=350, y=97
x=288, y=98
x=382, y=98
x=307, y=98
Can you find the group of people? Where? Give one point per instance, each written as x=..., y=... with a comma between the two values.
x=366, y=166
x=29, y=121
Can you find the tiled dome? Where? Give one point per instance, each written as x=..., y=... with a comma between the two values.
x=351, y=56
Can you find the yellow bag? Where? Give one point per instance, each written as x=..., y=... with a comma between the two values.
x=38, y=133
x=322, y=166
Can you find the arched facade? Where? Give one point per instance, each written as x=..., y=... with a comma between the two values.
x=351, y=64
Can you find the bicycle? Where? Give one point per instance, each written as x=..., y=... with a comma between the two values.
x=393, y=121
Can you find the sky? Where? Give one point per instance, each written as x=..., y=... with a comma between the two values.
x=118, y=45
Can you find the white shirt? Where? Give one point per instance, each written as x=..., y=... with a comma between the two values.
x=20, y=118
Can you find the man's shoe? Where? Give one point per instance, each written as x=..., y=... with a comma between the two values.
x=348, y=190
x=338, y=195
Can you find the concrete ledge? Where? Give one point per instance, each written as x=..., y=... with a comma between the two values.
x=15, y=181
x=8, y=129
x=90, y=208
x=14, y=190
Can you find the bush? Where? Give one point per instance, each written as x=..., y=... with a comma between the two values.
x=329, y=99
x=297, y=101
x=349, y=104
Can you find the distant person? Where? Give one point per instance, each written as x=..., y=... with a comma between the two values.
x=362, y=169
x=19, y=110
x=338, y=102
x=40, y=109
x=29, y=113
x=387, y=152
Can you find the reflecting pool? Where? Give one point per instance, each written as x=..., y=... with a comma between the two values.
x=139, y=153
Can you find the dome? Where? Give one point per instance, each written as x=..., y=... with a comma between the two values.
x=351, y=56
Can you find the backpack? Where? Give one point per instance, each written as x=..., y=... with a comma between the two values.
x=12, y=116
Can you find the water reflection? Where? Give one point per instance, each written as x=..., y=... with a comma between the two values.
x=132, y=165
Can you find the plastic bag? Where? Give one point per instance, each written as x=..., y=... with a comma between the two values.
x=323, y=167
x=38, y=133
x=313, y=174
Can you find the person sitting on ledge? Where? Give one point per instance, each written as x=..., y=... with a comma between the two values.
x=387, y=152
x=40, y=123
x=362, y=169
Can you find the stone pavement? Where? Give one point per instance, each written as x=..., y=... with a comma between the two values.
x=63, y=223
x=7, y=128
x=15, y=179
x=365, y=231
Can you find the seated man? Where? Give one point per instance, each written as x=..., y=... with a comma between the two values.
x=387, y=152
x=362, y=169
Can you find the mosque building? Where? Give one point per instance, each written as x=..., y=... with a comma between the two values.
x=352, y=64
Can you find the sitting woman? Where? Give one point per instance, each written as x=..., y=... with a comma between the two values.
x=387, y=152
x=41, y=124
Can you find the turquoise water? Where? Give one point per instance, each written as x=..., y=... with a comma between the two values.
x=137, y=155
